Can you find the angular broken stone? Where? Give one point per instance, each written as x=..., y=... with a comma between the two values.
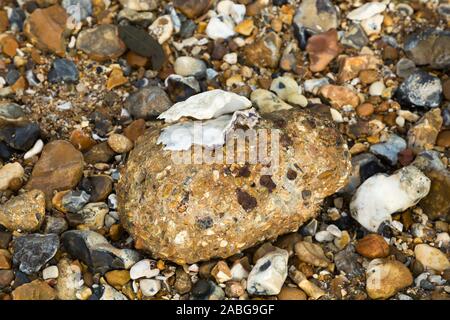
x=46, y=27
x=60, y=167
x=175, y=211
x=32, y=251
x=339, y=96
x=96, y=252
x=142, y=43
x=322, y=49
x=101, y=42
x=424, y=133
x=350, y=67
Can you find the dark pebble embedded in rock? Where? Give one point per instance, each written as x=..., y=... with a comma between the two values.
x=63, y=70
x=420, y=89
x=147, y=103
x=96, y=252
x=140, y=42
x=21, y=137
x=33, y=251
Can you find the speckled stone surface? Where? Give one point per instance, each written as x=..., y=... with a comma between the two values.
x=192, y=212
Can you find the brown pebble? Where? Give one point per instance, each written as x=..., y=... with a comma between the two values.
x=390, y=53
x=289, y=293
x=443, y=139
x=373, y=246
x=135, y=129
x=405, y=157
x=368, y=76
x=365, y=110
x=81, y=140
x=446, y=89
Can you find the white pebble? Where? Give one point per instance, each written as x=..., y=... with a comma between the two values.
x=336, y=115
x=149, y=287
x=334, y=230
x=376, y=88
x=324, y=236
x=36, y=149
x=382, y=195
x=230, y=58
x=51, y=272
x=143, y=269
x=400, y=121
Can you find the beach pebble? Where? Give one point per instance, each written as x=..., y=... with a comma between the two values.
x=382, y=195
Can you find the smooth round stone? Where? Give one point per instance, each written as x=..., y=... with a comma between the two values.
x=149, y=287
x=376, y=88
x=147, y=103
x=188, y=66
x=143, y=269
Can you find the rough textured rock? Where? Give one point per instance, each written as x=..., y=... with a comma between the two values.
x=60, y=167
x=192, y=212
x=339, y=96
x=45, y=28
x=25, y=212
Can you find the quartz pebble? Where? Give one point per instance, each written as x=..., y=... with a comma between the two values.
x=143, y=269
